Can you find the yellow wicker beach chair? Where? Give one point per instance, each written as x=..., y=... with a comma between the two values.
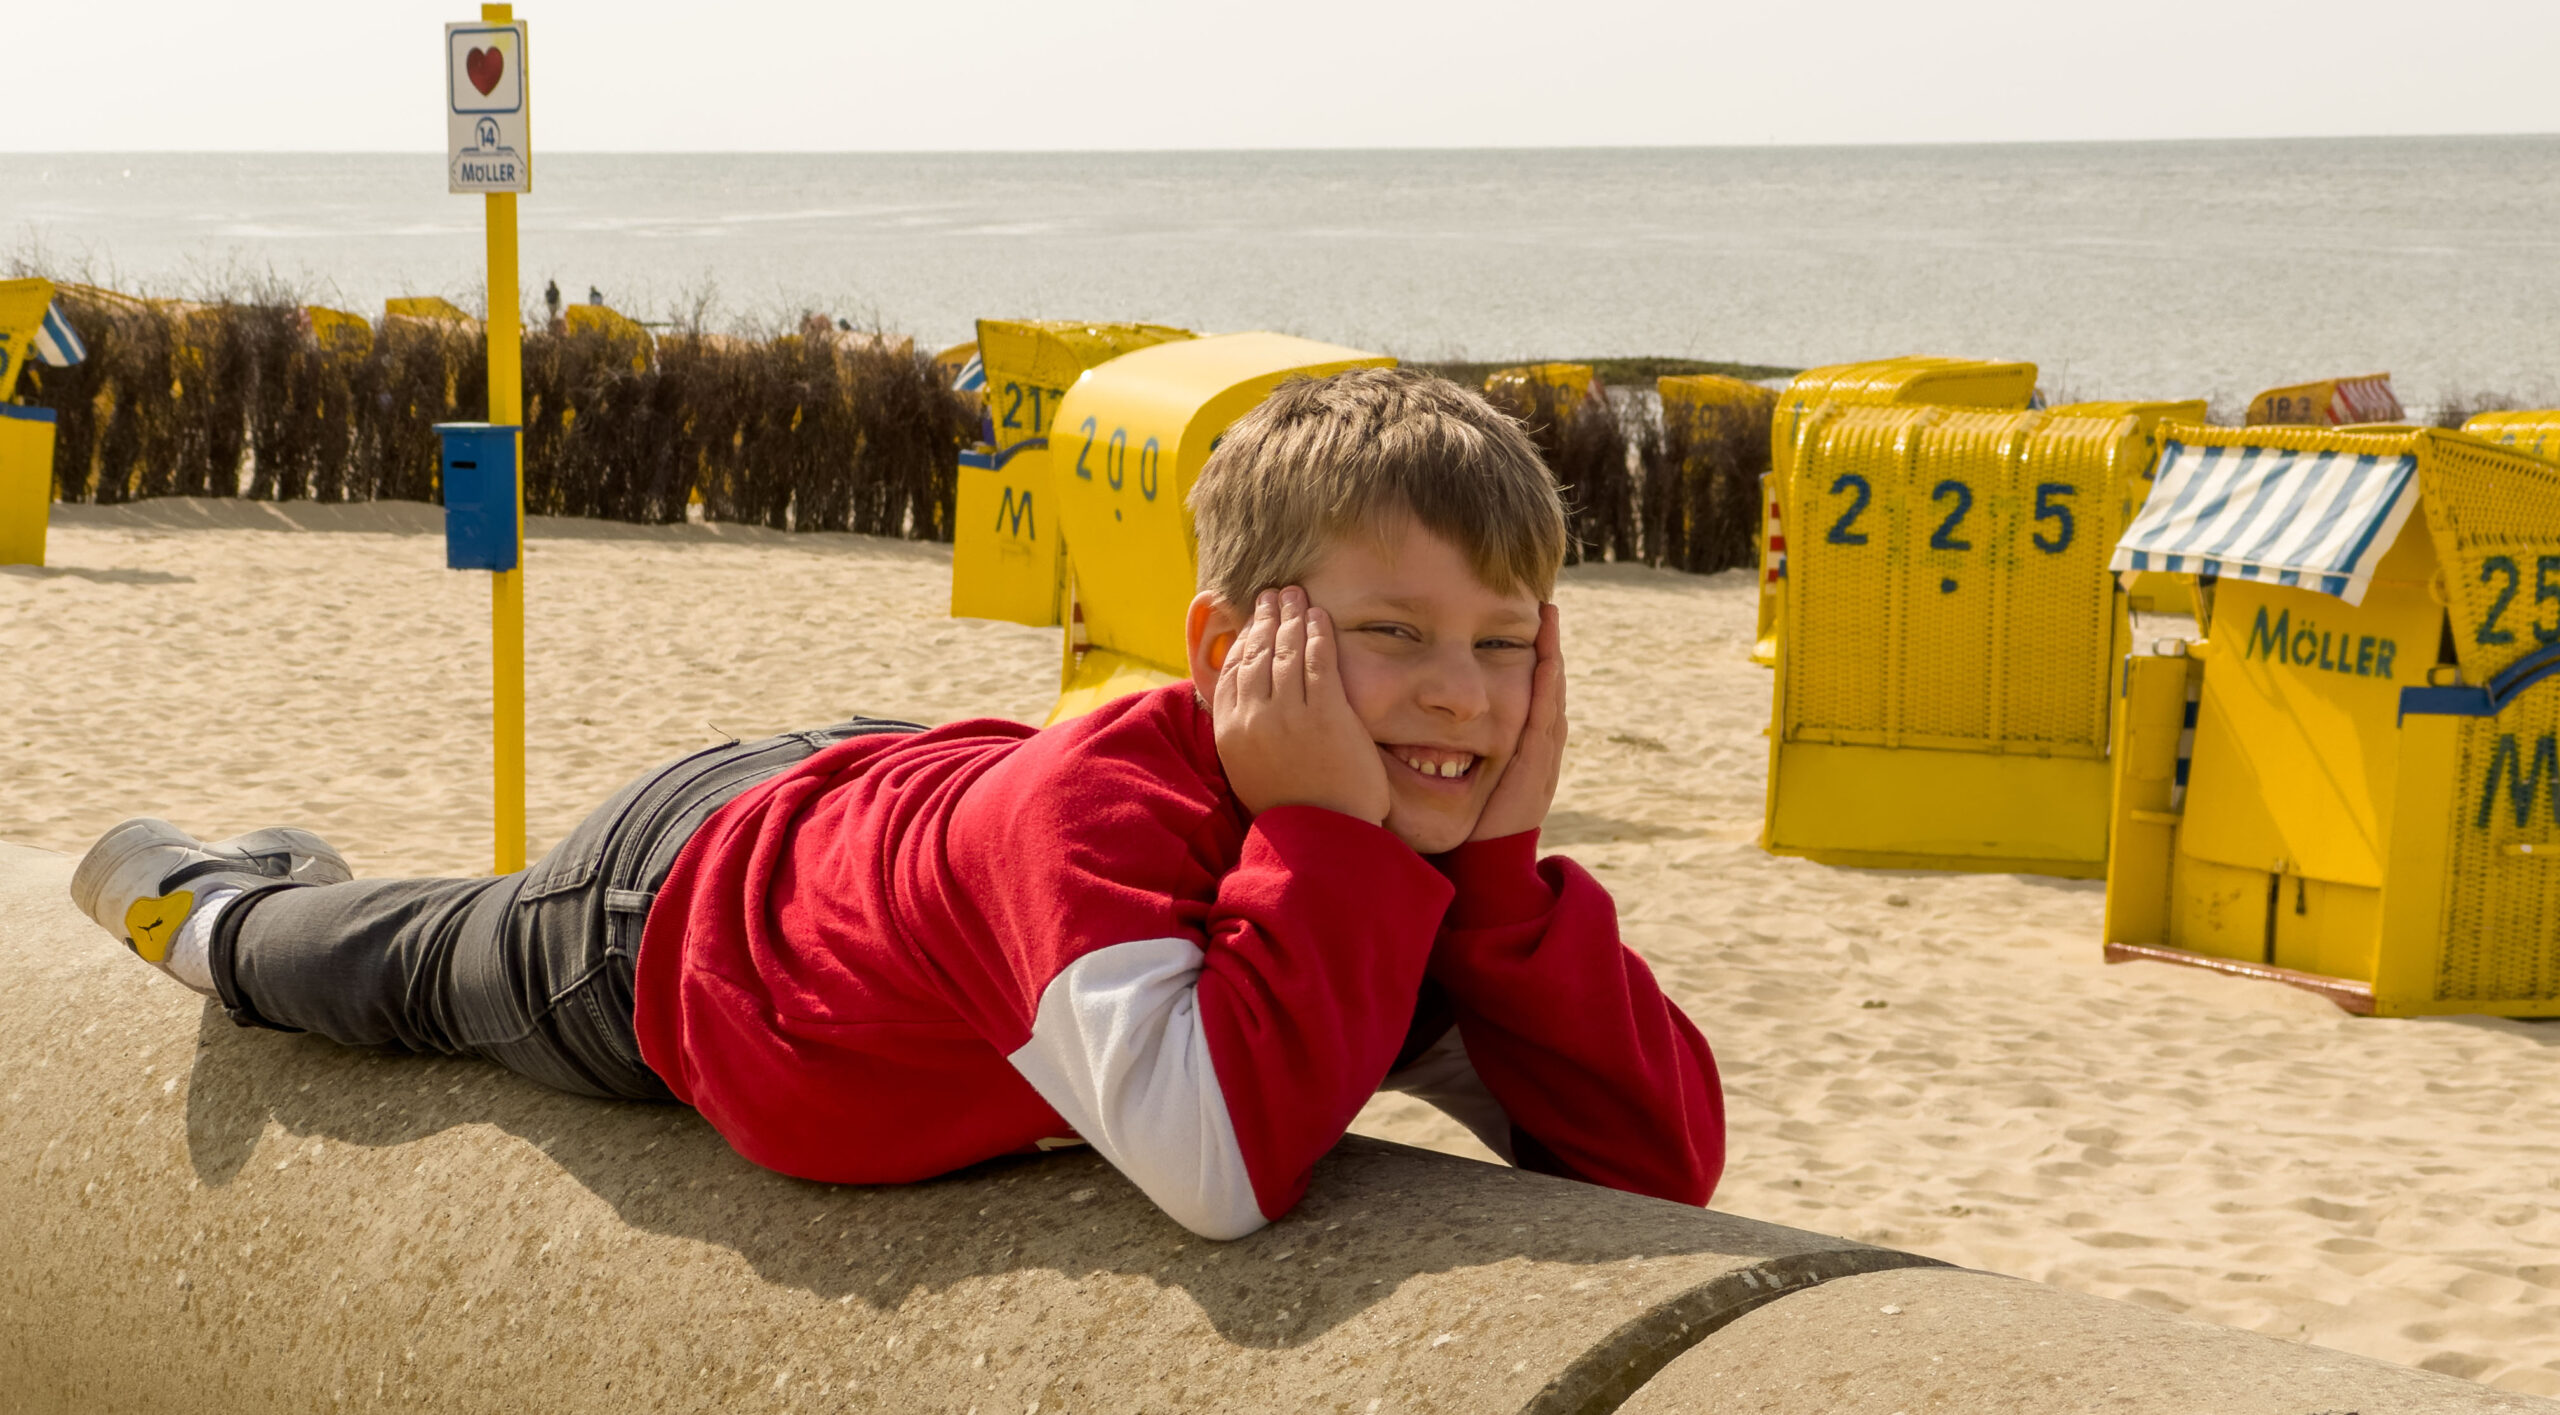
x=1915, y=379
x=1949, y=638
x=26, y=433
x=1563, y=387
x=1130, y=438
x=339, y=331
x=2329, y=402
x=2152, y=591
x=628, y=338
x=2350, y=783
x=426, y=307
x=2535, y=432
x=1008, y=558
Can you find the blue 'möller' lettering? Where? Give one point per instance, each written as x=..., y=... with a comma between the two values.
x=2277, y=640
x=2267, y=643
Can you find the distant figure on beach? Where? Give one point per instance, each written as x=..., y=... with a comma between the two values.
x=551, y=299
x=1196, y=928
x=594, y=295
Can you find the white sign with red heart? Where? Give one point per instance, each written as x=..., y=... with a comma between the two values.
x=487, y=143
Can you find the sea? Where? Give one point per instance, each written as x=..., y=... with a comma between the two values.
x=2171, y=269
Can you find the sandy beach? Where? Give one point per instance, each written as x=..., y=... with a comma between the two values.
x=1934, y=1062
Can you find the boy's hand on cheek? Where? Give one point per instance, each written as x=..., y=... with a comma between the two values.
x=1528, y=783
x=1286, y=733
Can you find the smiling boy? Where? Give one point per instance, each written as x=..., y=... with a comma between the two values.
x=1197, y=928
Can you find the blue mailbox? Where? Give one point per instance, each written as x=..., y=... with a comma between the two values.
x=480, y=505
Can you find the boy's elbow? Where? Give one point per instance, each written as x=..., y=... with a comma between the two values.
x=1223, y=1221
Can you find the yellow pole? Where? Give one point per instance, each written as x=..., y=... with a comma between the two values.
x=506, y=599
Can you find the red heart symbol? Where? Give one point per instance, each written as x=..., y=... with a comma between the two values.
x=484, y=66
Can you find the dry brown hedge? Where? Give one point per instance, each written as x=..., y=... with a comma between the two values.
x=1641, y=482
x=816, y=430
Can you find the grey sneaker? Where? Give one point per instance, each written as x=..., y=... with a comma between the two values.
x=132, y=881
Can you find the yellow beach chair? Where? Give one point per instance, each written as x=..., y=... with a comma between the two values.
x=1915, y=379
x=2328, y=402
x=2350, y=784
x=32, y=331
x=2533, y=432
x=339, y=331
x=2153, y=591
x=1560, y=386
x=1008, y=557
x=426, y=307
x=1949, y=638
x=1130, y=438
x=626, y=337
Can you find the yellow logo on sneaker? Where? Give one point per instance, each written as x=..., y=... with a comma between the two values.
x=152, y=924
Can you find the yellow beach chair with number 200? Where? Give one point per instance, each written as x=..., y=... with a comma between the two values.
x=2372, y=804
x=1127, y=444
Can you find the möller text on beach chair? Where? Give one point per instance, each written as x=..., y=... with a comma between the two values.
x=2350, y=783
x=1949, y=638
x=1914, y=379
x=1127, y=443
x=1008, y=558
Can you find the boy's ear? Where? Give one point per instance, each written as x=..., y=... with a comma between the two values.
x=1209, y=630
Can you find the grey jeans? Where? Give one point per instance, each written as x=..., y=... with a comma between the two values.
x=531, y=970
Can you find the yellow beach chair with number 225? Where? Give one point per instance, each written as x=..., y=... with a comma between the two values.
x=1915, y=379
x=1949, y=636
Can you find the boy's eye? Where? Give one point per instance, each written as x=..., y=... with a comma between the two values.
x=1503, y=645
x=1397, y=631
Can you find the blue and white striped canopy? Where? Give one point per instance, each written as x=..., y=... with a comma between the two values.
x=2315, y=520
x=972, y=376
x=57, y=345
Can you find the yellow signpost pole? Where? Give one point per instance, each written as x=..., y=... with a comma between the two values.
x=506, y=599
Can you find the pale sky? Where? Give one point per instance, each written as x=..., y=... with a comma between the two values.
x=773, y=75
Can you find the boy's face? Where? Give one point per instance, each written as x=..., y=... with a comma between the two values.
x=1437, y=666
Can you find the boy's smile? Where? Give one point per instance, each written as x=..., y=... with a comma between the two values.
x=1437, y=667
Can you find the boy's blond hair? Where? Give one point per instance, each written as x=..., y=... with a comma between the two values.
x=1325, y=458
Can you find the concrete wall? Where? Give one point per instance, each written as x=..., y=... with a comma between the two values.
x=1947, y=1340
x=201, y=1218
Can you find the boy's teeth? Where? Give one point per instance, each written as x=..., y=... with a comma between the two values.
x=1452, y=768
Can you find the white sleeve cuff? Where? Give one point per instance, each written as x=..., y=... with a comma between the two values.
x=1117, y=1049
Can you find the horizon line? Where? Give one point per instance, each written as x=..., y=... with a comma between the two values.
x=1914, y=144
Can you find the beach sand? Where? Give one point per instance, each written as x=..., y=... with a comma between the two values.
x=1935, y=1062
